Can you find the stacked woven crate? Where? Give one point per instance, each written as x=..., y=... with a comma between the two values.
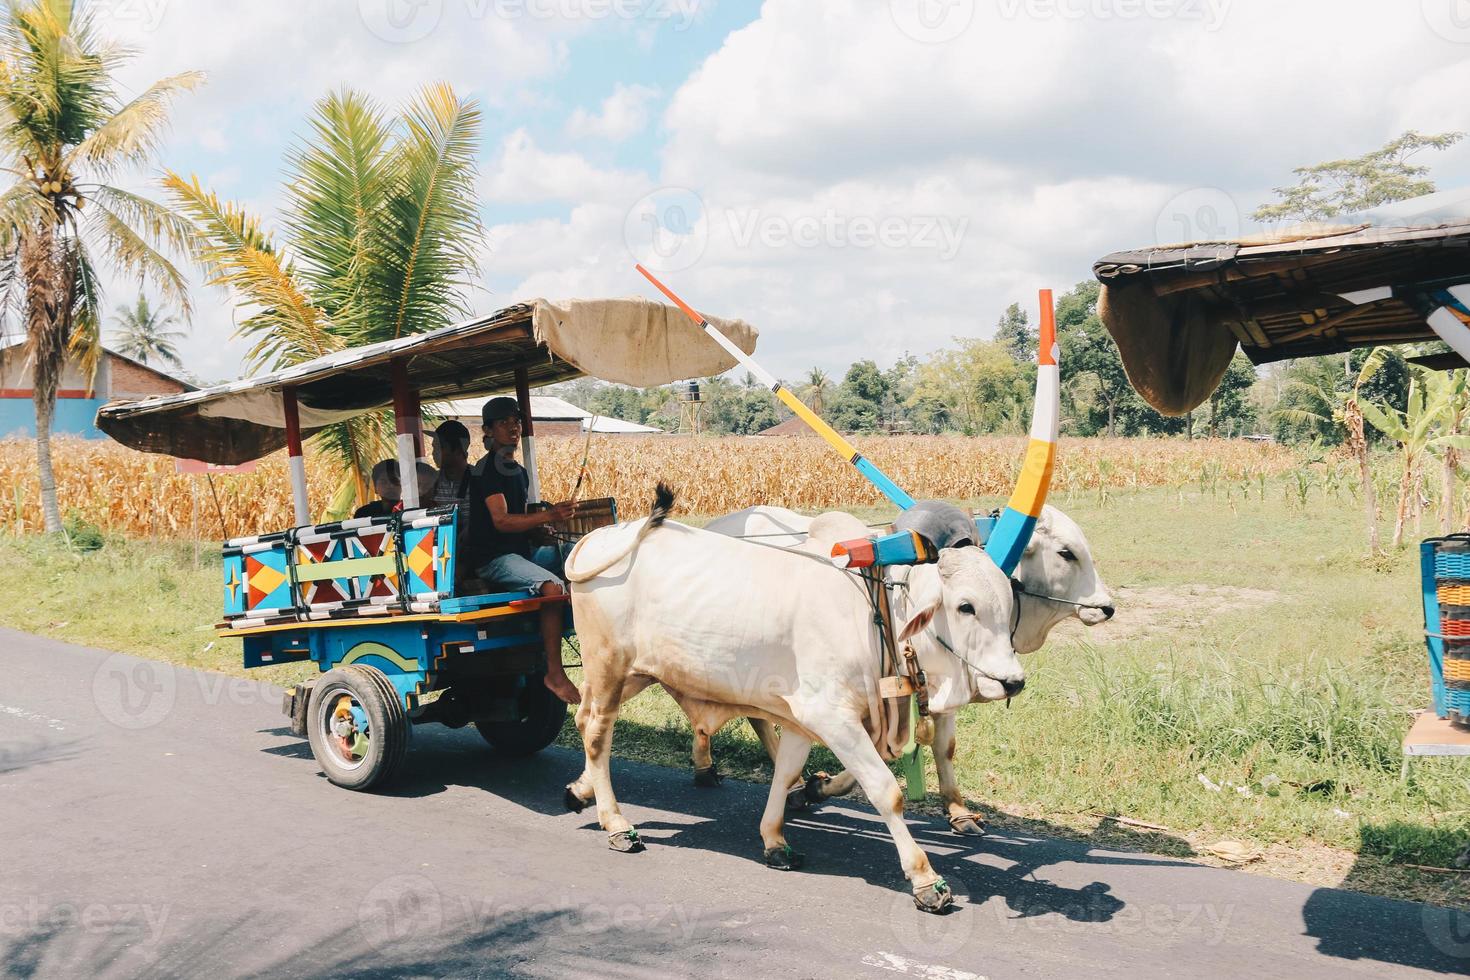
x=1445, y=567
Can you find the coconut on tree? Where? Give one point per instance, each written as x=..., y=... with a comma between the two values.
x=67, y=135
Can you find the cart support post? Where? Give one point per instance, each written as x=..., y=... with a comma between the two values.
x=292, y=414
x=528, y=436
x=416, y=416
x=408, y=459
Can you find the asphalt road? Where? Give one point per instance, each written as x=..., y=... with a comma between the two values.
x=162, y=822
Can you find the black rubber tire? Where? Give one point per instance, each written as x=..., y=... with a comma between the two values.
x=388, y=726
x=299, y=710
x=542, y=716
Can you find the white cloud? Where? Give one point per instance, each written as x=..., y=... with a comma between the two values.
x=849, y=188
x=623, y=114
x=524, y=173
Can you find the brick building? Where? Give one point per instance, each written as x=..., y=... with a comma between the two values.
x=118, y=378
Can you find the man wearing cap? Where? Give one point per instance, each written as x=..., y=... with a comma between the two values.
x=499, y=541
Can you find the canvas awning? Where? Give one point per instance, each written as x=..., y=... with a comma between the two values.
x=1178, y=312
x=628, y=341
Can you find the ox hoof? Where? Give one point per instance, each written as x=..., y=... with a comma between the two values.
x=969, y=824
x=783, y=858
x=626, y=841
x=574, y=802
x=812, y=791
x=708, y=778
x=934, y=897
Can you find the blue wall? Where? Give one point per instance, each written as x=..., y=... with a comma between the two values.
x=74, y=417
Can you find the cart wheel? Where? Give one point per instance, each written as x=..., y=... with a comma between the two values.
x=357, y=727
x=542, y=715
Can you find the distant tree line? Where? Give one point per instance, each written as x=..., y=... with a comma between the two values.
x=975, y=387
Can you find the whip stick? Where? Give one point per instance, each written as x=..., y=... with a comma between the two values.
x=861, y=463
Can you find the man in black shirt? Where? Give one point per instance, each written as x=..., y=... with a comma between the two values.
x=499, y=545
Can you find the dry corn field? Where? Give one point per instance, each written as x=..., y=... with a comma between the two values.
x=140, y=495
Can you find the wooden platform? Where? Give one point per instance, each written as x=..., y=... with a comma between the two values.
x=1432, y=735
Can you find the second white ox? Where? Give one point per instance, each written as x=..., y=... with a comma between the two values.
x=1057, y=580
x=731, y=630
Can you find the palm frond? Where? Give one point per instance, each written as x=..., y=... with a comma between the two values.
x=222, y=230
x=427, y=241
x=56, y=86
x=22, y=205
x=337, y=183
x=289, y=327
x=134, y=254
x=85, y=342
x=133, y=133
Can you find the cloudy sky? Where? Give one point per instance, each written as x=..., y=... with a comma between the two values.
x=858, y=178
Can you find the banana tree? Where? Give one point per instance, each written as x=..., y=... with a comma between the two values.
x=1345, y=408
x=1424, y=427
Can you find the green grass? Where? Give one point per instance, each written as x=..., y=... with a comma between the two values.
x=1309, y=676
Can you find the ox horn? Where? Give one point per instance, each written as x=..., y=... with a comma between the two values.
x=1012, y=532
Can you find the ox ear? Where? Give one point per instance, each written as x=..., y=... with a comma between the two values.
x=919, y=621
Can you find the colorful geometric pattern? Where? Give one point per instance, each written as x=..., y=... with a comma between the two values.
x=347, y=564
x=371, y=566
x=428, y=554
x=257, y=577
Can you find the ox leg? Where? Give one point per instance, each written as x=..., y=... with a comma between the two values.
x=851, y=746
x=705, y=773
x=961, y=820
x=791, y=755
x=596, y=716
x=766, y=732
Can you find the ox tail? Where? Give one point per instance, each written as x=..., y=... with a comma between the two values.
x=663, y=504
x=1013, y=531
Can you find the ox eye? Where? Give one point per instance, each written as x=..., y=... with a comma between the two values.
x=1067, y=554
x=967, y=609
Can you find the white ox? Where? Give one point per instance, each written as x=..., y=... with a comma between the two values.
x=731, y=630
x=1058, y=580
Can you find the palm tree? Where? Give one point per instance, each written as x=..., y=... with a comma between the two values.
x=381, y=234
x=144, y=334
x=817, y=386
x=64, y=135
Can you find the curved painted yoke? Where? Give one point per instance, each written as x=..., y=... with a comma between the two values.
x=1012, y=532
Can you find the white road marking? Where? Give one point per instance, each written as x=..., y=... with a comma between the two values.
x=25, y=715
x=913, y=968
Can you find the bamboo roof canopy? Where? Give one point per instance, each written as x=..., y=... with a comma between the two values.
x=629, y=341
x=1178, y=312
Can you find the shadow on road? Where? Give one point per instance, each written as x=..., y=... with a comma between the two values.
x=844, y=838
x=437, y=939
x=1430, y=937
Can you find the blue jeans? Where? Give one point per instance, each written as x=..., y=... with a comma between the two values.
x=516, y=572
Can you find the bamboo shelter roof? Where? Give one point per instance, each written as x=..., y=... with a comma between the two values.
x=1178, y=312
x=628, y=341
